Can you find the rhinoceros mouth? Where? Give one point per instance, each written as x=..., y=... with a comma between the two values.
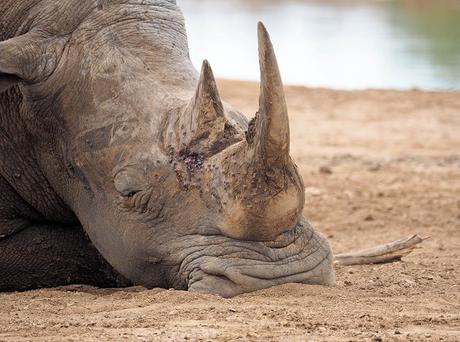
x=298, y=256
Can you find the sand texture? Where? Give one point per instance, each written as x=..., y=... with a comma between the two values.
x=377, y=166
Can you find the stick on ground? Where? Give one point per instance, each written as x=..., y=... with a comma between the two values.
x=389, y=252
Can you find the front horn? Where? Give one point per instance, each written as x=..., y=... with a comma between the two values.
x=267, y=197
x=271, y=140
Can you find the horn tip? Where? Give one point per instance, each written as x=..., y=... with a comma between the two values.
x=261, y=26
x=207, y=88
x=262, y=30
x=265, y=44
x=206, y=72
x=205, y=66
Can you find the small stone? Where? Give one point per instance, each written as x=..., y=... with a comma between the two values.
x=377, y=339
x=325, y=170
x=312, y=191
x=397, y=332
x=376, y=167
x=369, y=218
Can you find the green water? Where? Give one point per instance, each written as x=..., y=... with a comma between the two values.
x=338, y=44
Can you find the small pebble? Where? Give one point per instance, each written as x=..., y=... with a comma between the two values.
x=375, y=168
x=325, y=170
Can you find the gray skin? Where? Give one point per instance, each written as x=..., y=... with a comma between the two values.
x=119, y=163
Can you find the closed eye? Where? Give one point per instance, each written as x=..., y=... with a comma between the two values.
x=128, y=183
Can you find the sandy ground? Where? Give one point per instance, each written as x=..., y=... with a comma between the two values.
x=377, y=165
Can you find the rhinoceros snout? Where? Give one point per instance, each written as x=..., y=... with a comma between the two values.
x=307, y=260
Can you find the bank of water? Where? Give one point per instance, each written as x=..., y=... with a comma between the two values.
x=337, y=44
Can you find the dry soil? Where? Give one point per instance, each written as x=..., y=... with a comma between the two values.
x=377, y=166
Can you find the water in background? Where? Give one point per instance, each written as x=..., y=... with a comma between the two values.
x=352, y=44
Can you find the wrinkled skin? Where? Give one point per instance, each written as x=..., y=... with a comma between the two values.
x=109, y=133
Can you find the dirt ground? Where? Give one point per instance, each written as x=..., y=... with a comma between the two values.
x=378, y=166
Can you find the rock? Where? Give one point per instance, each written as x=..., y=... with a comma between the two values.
x=312, y=191
x=375, y=167
x=325, y=170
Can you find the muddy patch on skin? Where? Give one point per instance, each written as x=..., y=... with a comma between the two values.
x=193, y=162
x=111, y=135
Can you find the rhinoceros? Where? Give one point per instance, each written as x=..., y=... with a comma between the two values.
x=120, y=164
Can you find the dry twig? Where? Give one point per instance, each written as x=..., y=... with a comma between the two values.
x=389, y=252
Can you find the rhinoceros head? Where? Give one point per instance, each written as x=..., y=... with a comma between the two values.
x=173, y=186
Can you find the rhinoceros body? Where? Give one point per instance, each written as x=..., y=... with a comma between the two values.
x=120, y=164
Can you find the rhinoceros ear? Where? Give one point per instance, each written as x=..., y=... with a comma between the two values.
x=27, y=58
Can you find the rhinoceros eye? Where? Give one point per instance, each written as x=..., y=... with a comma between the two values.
x=127, y=183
